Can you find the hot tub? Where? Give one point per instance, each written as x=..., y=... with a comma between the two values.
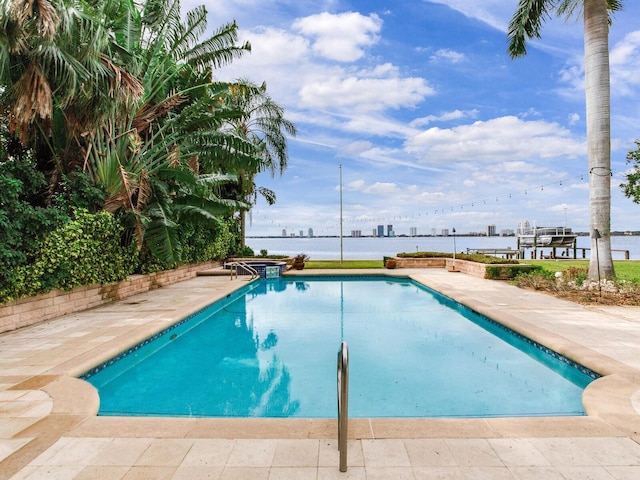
x=265, y=268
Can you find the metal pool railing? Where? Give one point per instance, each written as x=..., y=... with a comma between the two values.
x=234, y=269
x=343, y=403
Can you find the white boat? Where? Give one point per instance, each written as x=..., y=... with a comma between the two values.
x=547, y=237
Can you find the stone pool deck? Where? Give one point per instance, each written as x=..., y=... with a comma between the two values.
x=49, y=428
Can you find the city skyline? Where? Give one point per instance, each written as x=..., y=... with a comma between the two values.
x=414, y=231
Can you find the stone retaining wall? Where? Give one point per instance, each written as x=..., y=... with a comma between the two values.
x=420, y=262
x=471, y=268
x=32, y=310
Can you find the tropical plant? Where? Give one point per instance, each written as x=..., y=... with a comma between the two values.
x=57, y=77
x=632, y=187
x=526, y=23
x=152, y=161
x=263, y=125
x=23, y=225
x=124, y=90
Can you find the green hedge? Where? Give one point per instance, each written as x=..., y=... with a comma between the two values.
x=475, y=257
x=84, y=251
x=507, y=272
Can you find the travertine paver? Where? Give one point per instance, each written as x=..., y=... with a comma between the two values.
x=48, y=429
x=390, y=459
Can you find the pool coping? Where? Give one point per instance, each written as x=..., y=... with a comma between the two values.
x=608, y=401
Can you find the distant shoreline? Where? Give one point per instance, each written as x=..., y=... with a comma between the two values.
x=580, y=234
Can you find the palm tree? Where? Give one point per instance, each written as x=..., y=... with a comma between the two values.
x=263, y=124
x=174, y=132
x=149, y=160
x=526, y=23
x=57, y=75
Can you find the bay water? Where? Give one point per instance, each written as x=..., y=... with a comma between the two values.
x=373, y=248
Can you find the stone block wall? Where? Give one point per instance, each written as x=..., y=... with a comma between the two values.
x=420, y=262
x=32, y=310
x=471, y=268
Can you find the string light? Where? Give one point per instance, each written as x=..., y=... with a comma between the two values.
x=443, y=210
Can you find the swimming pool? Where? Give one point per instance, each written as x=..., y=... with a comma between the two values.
x=269, y=350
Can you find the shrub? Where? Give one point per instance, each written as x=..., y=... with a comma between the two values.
x=84, y=251
x=197, y=243
x=475, y=257
x=244, y=252
x=510, y=271
x=578, y=276
x=539, y=279
x=23, y=223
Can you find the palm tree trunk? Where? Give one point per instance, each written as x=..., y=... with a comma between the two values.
x=597, y=87
x=243, y=229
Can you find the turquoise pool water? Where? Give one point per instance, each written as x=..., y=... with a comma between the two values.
x=270, y=351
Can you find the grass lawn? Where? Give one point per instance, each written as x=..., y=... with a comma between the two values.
x=346, y=264
x=625, y=269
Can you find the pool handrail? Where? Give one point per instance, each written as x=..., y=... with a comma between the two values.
x=343, y=403
x=234, y=268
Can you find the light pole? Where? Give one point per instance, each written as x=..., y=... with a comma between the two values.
x=596, y=236
x=453, y=265
x=341, y=242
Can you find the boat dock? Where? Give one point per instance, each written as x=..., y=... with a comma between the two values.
x=568, y=253
x=504, y=252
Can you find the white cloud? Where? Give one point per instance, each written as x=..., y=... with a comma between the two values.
x=381, y=188
x=272, y=47
x=341, y=37
x=518, y=166
x=357, y=148
x=572, y=75
x=491, y=12
x=574, y=118
x=448, y=55
x=624, y=64
x=532, y=112
x=356, y=185
x=372, y=124
x=362, y=92
x=624, y=61
x=504, y=138
x=444, y=117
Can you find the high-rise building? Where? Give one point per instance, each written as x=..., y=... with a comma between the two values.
x=310, y=233
x=445, y=232
x=413, y=232
x=380, y=232
x=284, y=232
x=356, y=233
x=491, y=230
x=389, y=230
x=524, y=226
x=302, y=233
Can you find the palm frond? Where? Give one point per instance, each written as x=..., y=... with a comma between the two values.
x=267, y=194
x=41, y=12
x=123, y=84
x=526, y=23
x=182, y=39
x=218, y=50
x=188, y=211
x=33, y=98
x=149, y=112
x=160, y=234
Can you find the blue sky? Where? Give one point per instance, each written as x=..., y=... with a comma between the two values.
x=434, y=125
